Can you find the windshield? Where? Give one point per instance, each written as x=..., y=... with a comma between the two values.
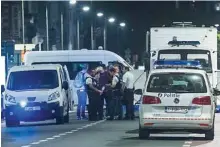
x=176, y=83
x=186, y=54
x=35, y=79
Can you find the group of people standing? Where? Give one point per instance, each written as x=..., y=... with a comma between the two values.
x=110, y=85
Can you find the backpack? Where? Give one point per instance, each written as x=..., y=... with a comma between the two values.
x=79, y=80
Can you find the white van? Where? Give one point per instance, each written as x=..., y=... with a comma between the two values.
x=36, y=93
x=72, y=59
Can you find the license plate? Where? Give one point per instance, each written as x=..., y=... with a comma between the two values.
x=32, y=108
x=176, y=110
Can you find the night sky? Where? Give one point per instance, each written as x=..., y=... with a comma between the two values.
x=142, y=15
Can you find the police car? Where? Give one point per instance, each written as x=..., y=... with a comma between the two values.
x=177, y=97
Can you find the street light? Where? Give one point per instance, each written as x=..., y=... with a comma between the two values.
x=85, y=8
x=122, y=24
x=72, y=2
x=216, y=25
x=100, y=14
x=111, y=20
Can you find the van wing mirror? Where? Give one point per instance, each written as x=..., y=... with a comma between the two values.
x=65, y=85
x=2, y=88
x=216, y=92
x=138, y=91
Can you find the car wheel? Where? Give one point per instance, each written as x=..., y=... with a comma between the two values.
x=210, y=134
x=144, y=133
x=66, y=117
x=60, y=117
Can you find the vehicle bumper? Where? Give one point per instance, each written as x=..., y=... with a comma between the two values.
x=178, y=123
x=47, y=111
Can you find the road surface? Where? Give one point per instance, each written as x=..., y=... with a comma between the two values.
x=98, y=134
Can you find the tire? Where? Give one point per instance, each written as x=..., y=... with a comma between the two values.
x=67, y=116
x=60, y=117
x=144, y=133
x=210, y=134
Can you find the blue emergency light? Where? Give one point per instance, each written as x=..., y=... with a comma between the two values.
x=178, y=43
x=177, y=64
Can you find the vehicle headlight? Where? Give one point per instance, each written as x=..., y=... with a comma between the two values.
x=23, y=103
x=10, y=98
x=54, y=96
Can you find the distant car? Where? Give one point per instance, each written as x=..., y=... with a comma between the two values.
x=177, y=99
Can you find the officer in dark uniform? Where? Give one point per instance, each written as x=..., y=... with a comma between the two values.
x=115, y=102
x=94, y=95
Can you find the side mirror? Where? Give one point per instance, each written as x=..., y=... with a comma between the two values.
x=65, y=85
x=216, y=92
x=2, y=88
x=138, y=91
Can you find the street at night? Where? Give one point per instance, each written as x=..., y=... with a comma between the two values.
x=78, y=73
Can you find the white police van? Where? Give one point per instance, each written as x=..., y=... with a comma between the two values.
x=36, y=93
x=177, y=97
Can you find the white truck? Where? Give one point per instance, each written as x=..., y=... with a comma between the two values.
x=186, y=42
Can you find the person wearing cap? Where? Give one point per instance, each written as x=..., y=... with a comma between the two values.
x=79, y=84
x=94, y=95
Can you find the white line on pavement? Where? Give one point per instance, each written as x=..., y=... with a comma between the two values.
x=62, y=134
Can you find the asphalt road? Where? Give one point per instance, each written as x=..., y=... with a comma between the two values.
x=98, y=134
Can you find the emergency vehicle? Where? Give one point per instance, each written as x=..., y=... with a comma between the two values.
x=177, y=96
x=184, y=41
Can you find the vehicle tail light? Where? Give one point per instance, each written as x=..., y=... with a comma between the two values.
x=203, y=100
x=204, y=125
x=150, y=100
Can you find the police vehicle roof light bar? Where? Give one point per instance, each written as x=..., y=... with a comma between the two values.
x=177, y=64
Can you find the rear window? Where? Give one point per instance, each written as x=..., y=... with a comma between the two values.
x=177, y=83
x=73, y=67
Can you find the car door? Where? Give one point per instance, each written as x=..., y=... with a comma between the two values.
x=64, y=92
x=70, y=90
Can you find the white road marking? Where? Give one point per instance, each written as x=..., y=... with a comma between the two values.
x=43, y=140
x=70, y=132
x=62, y=134
x=186, y=145
x=50, y=138
x=188, y=142
x=35, y=143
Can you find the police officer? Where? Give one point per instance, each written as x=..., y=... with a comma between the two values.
x=128, y=80
x=114, y=106
x=94, y=96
